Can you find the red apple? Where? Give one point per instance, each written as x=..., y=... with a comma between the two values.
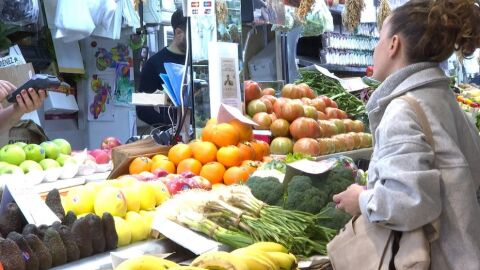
x=101, y=156
x=110, y=142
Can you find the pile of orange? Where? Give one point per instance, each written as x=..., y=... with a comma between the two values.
x=226, y=154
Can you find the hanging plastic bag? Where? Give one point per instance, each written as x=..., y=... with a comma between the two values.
x=318, y=20
x=289, y=23
x=73, y=20
x=20, y=12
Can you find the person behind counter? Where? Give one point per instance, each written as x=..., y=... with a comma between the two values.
x=150, y=79
x=28, y=101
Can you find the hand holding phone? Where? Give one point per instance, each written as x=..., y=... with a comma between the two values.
x=5, y=88
x=37, y=82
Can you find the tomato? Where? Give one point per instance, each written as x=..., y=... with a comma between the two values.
x=319, y=104
x=263, y=120
x=268, y=91
x=288, y=90
x=291, y=111
x=310, y=112
x=281, y=146
x=328, y=128
x=256, y=106
x=307, y=146
x=268, y=104
x=277, y=106
x=304, y=127
x=280, y=128
x=252, y=91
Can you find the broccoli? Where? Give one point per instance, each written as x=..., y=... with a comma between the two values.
x=303, y=196
x=336, y=218
x=267, y=189
x=336, y=181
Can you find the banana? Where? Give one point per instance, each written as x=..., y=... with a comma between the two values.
x=247, y=253
x=219, y=260
x=146, y=262
x=269, y=247
x=255, y=263
x=286, y=261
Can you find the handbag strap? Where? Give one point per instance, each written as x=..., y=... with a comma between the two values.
x=432, y=230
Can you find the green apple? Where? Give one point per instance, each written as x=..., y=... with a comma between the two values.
x=64, y=145
x=49, y=164
x=10, y=169
x=12, y=154
x=51, y=150
x=30, y=165
x=62, y=159
x=21, y=144
x=34, y=152
x=3, y=164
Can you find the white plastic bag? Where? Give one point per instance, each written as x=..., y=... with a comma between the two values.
x=73, y=20
x=19, y=12
x=318, y=21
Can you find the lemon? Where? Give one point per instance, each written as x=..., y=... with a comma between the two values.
x=110, y=200
x=138, y=225
x=161, y=192
x=147, y=195
x=65, y=203
x=217, y=186
x=123, y=231
x=80, y=200
x=132, y=196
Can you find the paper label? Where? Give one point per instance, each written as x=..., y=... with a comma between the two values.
x=31, y=205
x=185, y=237
x=226, y=113
x=312, y=167
x=13, y=58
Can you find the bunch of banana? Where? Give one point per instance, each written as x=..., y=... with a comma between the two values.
x=147, y=262
x=259, y=256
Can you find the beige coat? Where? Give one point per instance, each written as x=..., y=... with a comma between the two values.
x=405, y=190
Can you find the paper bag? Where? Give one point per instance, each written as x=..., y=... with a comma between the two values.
x=124, y=154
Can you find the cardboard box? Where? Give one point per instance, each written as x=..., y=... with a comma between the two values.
x=57, y=103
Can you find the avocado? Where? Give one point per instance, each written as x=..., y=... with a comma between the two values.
x=111, y=236
x=30, y=229
x=54, y=243
x=10, y=255
x=73, y=253
x=54, y=202
x=11, y=220
x=40, y=250
x=96, y=231
x=83, y=237
x=41, y=230
x=31, y=260
x=69, y=219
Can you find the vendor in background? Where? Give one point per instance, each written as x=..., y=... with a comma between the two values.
x=28, y=101
x=410, y=183
x=150, y=79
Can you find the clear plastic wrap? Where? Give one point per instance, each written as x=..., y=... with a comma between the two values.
x=318, y=21
x=20, y=12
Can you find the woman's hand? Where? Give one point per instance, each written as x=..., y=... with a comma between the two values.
x=348, y=199
x=29, y=100
x=5, y=89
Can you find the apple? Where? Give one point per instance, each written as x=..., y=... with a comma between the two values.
x=30, y=165
x=62, y=159
x=21, y=144
x=12, y=154
x=34, y=152
x=11, y=169
x=51, y=150
x=64, y=146
x=110, y=142
x=160, y=172
x=146, y=176
x=49, y=164
x=101, y=156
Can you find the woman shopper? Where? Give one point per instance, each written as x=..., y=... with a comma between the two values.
x=409, y=185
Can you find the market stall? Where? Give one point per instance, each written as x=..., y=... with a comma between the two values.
x=264, y=123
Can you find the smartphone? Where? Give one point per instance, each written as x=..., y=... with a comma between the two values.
x=37, y=82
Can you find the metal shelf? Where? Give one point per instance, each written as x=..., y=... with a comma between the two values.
x=307, y=61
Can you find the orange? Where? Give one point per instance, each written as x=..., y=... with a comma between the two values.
x=189, y=165
x=207, y=133
x=211, y=121
x=179, y=152
x=246, y=151
x=163, y=164
x=224, y=134
x=259, y=150
x=159, y=157
x=245, y=131
x=229, y=156
x=251, y=165
x=204, y=152
x=266, y=147
x=140, y=164
x=235, y=175
x=213, y=172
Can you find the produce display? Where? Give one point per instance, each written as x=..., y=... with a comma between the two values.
x=53, y=160
x=259, y=256
x=469, y=101
x=233, y=216
x=26, y=246
x=302, y=122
